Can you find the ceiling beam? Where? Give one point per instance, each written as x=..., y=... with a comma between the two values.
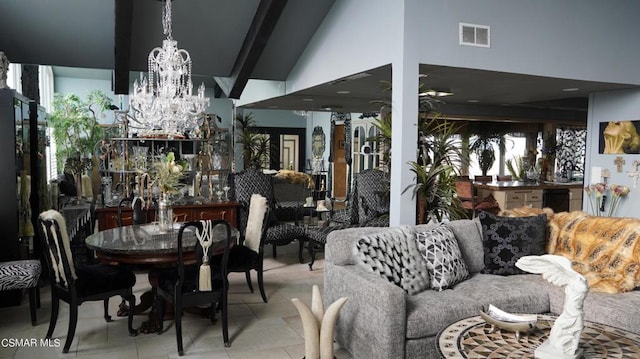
x=122, y=50
x=262, y=26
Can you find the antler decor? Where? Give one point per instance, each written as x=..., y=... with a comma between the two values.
x=318, y=325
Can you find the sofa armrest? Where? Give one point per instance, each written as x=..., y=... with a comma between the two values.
x=372, y=323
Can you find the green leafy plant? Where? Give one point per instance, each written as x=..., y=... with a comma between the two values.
x=75, y=125
x=256, y=146
x=437, y=172
x=517, y=168
x=487, y=135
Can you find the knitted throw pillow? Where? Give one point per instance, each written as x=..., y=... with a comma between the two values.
x=440, y=249
x=393, y=254
x=507, y=239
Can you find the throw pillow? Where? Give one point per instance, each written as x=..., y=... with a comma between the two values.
x=393, y=254
x=442, y=254
x=507, y=239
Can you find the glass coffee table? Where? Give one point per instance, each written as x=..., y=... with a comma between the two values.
x=471, y=338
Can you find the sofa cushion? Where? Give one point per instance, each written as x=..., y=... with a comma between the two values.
x=393, y=254
x=507, y=239
x=341, y=242
x=469, y=235
x=429, y=311
x=615, y=309
x=440, y=250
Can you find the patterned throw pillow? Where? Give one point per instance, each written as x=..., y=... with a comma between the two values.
x=506, y=239
x=394, y=256
x=440, y=249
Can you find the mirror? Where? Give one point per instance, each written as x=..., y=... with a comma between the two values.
x=317, y=142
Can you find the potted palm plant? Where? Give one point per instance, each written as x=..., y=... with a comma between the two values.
x=255, y=146
x=437, y=170
x=76, y=130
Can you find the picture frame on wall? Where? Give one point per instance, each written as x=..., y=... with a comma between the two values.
x=619, y=137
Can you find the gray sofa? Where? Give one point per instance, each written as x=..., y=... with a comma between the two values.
x=381, y=320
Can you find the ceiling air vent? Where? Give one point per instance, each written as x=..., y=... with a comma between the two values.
x=475, y=35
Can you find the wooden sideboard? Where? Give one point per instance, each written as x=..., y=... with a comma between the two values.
x=514, y=194
x=108, y=216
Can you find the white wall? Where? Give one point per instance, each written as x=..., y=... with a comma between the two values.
x=356, y=35
x=581, y=39
x=605, y=107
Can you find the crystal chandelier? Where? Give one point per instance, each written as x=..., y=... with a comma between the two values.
x=163, y=103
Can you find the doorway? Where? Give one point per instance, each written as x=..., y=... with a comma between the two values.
x=340, y=163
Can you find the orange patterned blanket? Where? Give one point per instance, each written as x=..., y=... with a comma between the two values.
x=605, y=250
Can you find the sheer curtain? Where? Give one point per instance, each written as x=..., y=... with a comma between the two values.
x=45, y=76
x=13, y=77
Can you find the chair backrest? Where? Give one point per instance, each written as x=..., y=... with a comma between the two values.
x=464, y=189
x=504, y=178
x=56, y=248
x=218, y=232
x=256, y=224
x=138, y=216
x=370, y=195
x=483, y=178
x=245, y=184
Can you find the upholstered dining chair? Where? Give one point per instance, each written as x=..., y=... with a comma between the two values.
x=367, y=206
x=243, y=185
x=466, y=194
x=204, y=283
x=78, y=284
x=23, y=274
x=249, y=253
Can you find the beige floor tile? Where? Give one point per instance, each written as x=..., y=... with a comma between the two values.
x=270, y=330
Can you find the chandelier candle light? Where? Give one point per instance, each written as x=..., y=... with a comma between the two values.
x=163, y=103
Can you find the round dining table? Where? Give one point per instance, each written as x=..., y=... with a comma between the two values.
x=145, y=246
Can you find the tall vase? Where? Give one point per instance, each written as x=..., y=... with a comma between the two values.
x=165, y=214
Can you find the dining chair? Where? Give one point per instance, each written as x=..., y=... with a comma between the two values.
x=78, y=284
x=250, y=181
x=23, y=274
x=249, y=253
x=504, y=178
x=203, y=283
x=138, y=216
x=472, y=203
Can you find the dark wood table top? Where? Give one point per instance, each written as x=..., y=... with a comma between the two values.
x=144, y=244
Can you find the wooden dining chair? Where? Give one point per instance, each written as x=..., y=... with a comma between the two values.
x=137, y=215
x=249, y=253
x=78, y=284
x=189, y=285
x=472, y=203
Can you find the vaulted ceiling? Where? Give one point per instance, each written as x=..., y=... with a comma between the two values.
x=242, y=40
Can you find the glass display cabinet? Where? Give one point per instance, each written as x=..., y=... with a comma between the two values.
x=23, y=187
x=206, y=162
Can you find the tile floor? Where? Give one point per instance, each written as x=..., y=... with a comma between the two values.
x=258, y=330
